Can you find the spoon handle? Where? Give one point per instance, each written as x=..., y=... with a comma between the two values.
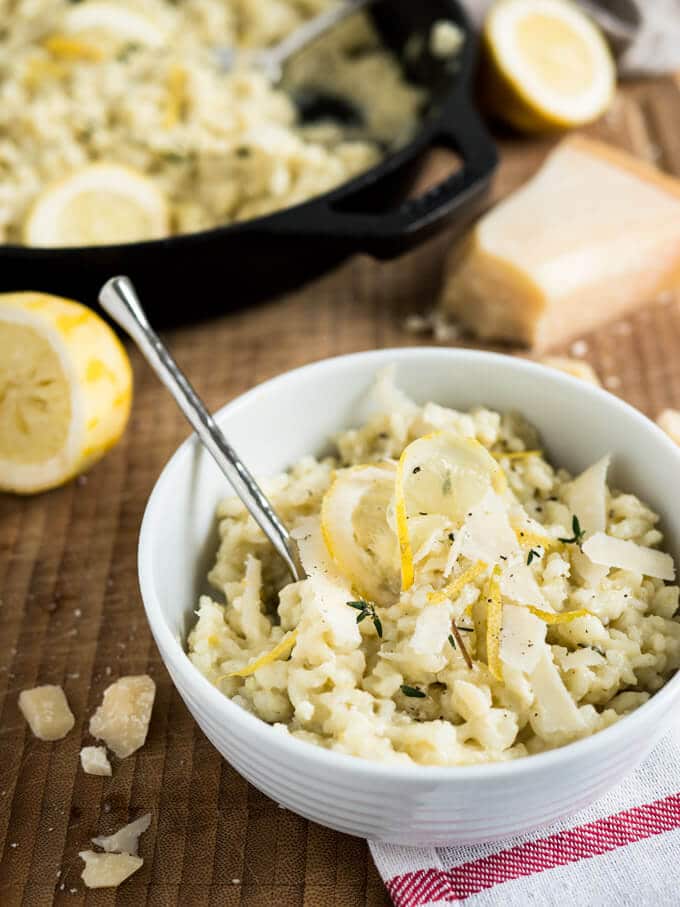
x=119, y=299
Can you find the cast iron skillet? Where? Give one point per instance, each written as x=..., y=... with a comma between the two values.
x=185, y=277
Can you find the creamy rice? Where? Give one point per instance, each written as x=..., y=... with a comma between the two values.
x=222, y=148
x=407, y=693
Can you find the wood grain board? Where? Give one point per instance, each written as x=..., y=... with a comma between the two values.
x=70, y=611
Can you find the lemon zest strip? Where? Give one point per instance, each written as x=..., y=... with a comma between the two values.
x=177, y=96
x=453, y=589
x=565, y=617
x=529, y=539
x=281, y=648
x=65, y=48
x=401, y=517
x=494, y=622
x=515, y=454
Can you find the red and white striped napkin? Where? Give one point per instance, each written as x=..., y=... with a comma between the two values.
x=623, y=850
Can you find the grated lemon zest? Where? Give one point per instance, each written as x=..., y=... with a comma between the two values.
x=66, y=48
x=515, y=454
x=565, y=617
x=281, y=648
x=494, y=622
x=453, y=589
x=529, y=539
x=177, y=96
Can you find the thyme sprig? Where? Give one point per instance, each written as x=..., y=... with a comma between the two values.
x=578, y=535
x=412, y=692
x=367, y=609
x=533, y=553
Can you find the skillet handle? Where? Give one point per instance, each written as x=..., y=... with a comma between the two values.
x=390, y=233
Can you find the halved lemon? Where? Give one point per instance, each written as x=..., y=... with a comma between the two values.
x=100, y=204
x=357, y=532
x=547, y=65
x=65, y=390
x=104, y=22
x=441, y=473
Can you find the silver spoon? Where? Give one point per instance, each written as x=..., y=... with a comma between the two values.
x=271, y=60
x=119, y=300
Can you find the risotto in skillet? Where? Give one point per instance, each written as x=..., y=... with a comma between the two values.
x=466, y=600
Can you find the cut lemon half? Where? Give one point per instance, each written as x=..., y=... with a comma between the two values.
x=65, y=390
x=100, y=204
x=357, y=532
x=441, y=473
x=106, y=22
x=547, y=65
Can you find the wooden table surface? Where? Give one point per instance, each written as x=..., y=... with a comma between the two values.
x=70, y=611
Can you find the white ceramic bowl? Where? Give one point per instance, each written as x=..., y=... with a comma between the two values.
x=274, y=425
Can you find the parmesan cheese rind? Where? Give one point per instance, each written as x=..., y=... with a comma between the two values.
x=626, y=555
x=47, y=712
x=122, y=720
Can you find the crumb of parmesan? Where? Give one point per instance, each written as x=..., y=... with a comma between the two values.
x=446, y=39
x=126, y=839
x=107, y=870
x=122, y=720
x=47, y=712
x=574, y=367
x=669, y=421
x=95, y=761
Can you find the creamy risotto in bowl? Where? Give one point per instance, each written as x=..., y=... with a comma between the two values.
x=467, y=600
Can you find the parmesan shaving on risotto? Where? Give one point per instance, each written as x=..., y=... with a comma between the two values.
x=452, y=613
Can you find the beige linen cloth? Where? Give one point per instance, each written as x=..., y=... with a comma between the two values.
x=646, y=33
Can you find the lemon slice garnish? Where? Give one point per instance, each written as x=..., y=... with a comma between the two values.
x=548, y=66
x=113, y=21
x=98, y=205
x=280, y=649
x=441, y=473
x=65, y=390
x=357, y=532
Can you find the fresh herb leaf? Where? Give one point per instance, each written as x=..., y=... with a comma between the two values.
x=452, y=641
x=413, y=692
x=578, y=533
x=533, y=554
x=367, y=609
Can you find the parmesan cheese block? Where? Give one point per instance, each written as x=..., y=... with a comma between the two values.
x=594, y=234
x=122, y=720
x=669, y=421
x=47, y=712
x=577, y=368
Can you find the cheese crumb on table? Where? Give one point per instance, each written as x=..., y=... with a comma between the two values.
x=577, y=368
x=107, y=870
x=669, y=421
x=592, y=236
x=47, y=712
x=446, y=39
x=95, y=761
x=122, y=720
x=126, y=839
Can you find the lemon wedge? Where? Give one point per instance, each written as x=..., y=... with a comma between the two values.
x=357, y=533
x=98, y=205
x=65, y=390
x=441, y=473
x=105, y=22
x=547, y=65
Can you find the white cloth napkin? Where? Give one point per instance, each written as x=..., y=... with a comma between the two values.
x=623, y=851
x=655, y=45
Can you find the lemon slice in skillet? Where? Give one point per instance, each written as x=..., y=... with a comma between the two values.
x=356, y=529
x=65, y=390
x=100, y=204
x=547, y=65
x=104, y=22
x=441, y=473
